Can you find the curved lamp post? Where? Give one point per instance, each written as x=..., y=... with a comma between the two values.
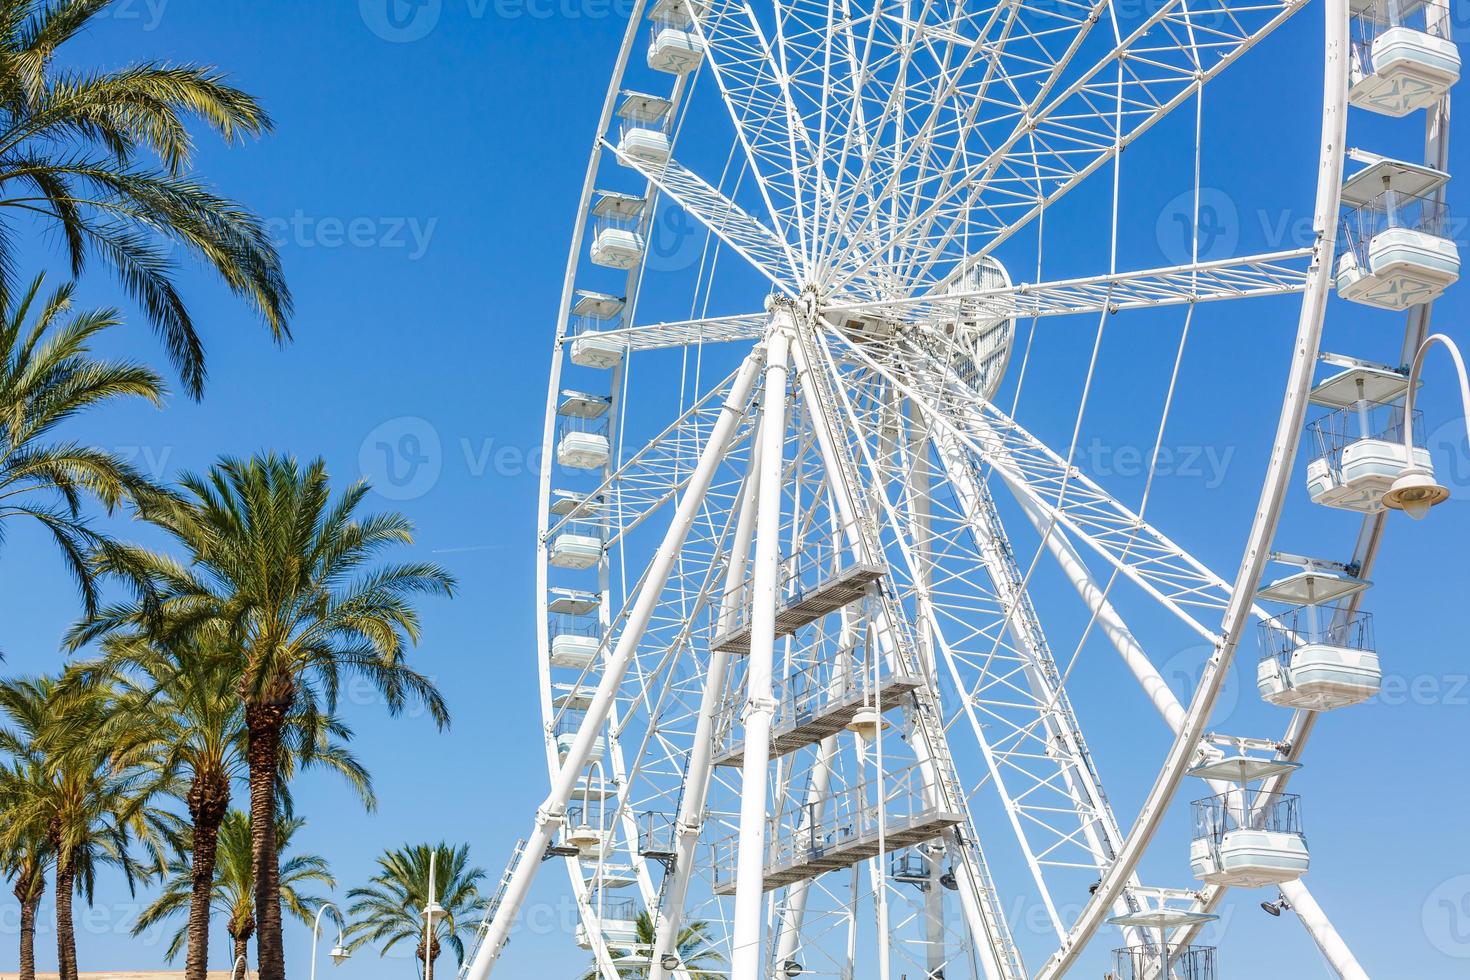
x=241, y=968
x=339, y=952
x=434, y=913
x=1415, y=491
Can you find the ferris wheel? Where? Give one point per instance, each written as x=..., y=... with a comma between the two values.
x=815, y=697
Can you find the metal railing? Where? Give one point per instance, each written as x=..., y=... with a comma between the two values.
x=1157, y=961
x=808, y=831
x=1328, y=625
x=808, y=693
x=1247, y=809
x=1389, y=210
x=1334, y=432
x=817, y=562
x=596, y=425
x=585, y=625
x=1370, y=21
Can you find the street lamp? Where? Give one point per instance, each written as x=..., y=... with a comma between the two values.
x=433, y=913
x=240, y=965
x=339, y=952
x=1415, y=491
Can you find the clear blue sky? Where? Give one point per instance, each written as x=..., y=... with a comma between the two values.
x=423, y=188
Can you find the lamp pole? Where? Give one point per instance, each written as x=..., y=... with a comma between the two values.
x=430, y=911
x=1415, y=491
x=239, y=963
x=339, y=952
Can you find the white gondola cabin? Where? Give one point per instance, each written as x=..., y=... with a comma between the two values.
x=582, y=442
x=1320, y=654
x=1402, y=59
x=1357, y=449
x=1155, y=957
x=594, y=314
x=576, y=534
x=673, y=44
x=617, y=236
x=1247, y=837
x=618, y=917
x=566, y=733
x=575, y=629
x=1396, y=252
x=643, y=136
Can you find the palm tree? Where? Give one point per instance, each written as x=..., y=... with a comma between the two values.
x=89, y=804
x=177, y=704
x=292, y=577
x=389, y=909
x=48, y=375
x=694, y=948
x=232, y=891
x=25, y=865
x=103, y=157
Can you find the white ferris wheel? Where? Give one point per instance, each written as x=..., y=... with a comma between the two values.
x=803, y=692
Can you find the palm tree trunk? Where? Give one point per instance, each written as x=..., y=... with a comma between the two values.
x=28, y=891
x=66, y=939
x=264, y=720
x=209, y=799
x=242, y=951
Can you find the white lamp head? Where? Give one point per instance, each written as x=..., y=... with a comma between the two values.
x=339, y=954
x=866, y=724
x=435, y=913
x=1415, y=491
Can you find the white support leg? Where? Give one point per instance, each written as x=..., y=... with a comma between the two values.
x=750, y=866
x=690, y=821
x=549, y=817
x=977, y=898
x=1323, y=934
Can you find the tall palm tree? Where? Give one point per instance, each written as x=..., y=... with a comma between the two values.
x=25, y=864
x=177, y=703
x=293, y=577
x=90, y=805
x=694, y=948
x=389, y=909
x=232, y=890
x=104, y=157
x=48, y=375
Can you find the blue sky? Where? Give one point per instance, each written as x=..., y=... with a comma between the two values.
x=423, y=179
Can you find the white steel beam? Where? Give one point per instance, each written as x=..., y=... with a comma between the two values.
x=552, y=812
x=760, y=700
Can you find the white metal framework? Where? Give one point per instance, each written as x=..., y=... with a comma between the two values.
x=804, y=576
